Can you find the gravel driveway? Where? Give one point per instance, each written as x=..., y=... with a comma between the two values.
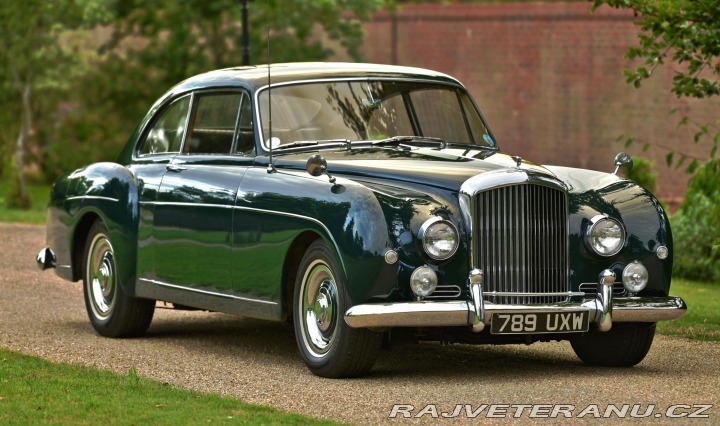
x=257, y=361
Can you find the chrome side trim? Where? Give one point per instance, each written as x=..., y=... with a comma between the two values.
x=462, y=313
x=211, y=293
x=251, y=209
x=299, y=216
x=92, y=197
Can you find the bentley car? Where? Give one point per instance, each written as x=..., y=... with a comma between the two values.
x=365, y=204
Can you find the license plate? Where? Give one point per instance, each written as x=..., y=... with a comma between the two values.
x=541, y=322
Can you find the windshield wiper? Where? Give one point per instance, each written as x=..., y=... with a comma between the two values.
x=331, y=143
x=411, y=140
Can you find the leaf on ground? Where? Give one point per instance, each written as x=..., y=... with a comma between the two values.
x=160, y=405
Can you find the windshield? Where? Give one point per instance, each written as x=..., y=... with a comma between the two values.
x=362, y=110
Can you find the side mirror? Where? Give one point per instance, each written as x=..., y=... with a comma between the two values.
x=623, y=161
x=317, y=166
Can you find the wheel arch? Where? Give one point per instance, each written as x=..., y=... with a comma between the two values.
x=79, y=237
x=294, y=256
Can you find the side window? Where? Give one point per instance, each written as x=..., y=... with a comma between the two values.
x=246, y=133
x=166, y=135
x=213, y=124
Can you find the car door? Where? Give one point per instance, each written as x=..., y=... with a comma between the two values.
x=192, y=228
x=159, y=145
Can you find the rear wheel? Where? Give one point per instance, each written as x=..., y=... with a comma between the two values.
x=111, y=311
x=625, y=345
x=329, y=347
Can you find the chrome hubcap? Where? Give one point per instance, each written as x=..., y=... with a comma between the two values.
x=319, y=308
x=101, y=277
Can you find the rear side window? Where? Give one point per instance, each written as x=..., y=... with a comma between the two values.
x=166, y=135
x=213, y=124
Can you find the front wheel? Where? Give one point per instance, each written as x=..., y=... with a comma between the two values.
x=329, y=347
x=111, y=311
x=625, y=345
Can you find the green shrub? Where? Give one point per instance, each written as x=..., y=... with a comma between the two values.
x=642, y=173
x=696, y=227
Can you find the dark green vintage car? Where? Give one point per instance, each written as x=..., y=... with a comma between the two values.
x=365, y=204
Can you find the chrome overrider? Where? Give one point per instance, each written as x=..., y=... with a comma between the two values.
x=603, y=308
x=46, y=259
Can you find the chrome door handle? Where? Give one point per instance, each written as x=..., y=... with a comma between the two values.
x=174, y=169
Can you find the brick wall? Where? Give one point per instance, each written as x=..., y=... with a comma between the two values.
x=548, y=78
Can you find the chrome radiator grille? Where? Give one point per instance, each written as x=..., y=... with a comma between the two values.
x=521, y=242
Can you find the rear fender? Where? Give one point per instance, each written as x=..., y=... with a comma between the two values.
x=107, y=191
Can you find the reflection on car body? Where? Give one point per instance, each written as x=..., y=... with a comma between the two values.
x=386, y=210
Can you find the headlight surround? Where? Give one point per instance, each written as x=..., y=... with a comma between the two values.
x=439, y=238
x=605, y=236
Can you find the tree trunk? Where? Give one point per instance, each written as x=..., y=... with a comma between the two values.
x=18, y=197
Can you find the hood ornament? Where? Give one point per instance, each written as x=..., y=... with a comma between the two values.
x=518, y=160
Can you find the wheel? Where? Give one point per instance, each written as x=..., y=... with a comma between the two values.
x=111, y=311
x=329, y=347
x=625, y=345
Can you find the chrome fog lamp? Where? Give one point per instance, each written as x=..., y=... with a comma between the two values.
x=605, y=236
x=439, y=238
x=635, y=277
x=423, y=281
x=662, y=252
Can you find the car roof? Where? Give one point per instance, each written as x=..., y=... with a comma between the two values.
x=255, y=77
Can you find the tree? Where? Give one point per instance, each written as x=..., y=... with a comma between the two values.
x=155, y=45
x=32, y=59
x=686, y=32
x=176, y=40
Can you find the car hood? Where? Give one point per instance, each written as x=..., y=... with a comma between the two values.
x=444, y=168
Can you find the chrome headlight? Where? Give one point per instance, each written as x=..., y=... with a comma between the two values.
x=635, y=277
x=605, y=236
x=439, y=238
x=423, y=281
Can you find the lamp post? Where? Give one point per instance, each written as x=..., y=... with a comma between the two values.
x=245, y=33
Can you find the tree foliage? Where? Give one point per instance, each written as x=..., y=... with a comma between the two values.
x=686, y=32
x=696, y=227
x=33, y=60
x=98, y=81
x=643, y=173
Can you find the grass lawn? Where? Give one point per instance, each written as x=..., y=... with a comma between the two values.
x=39, y=196
x=35, y=391
x=702, y=320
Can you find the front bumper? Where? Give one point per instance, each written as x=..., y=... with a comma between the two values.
x=603, y=309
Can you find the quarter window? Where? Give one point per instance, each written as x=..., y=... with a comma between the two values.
x=167, y=133
x=213, y=124
x=246, y=133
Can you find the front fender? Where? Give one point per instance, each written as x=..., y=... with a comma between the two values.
x=646, y=222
